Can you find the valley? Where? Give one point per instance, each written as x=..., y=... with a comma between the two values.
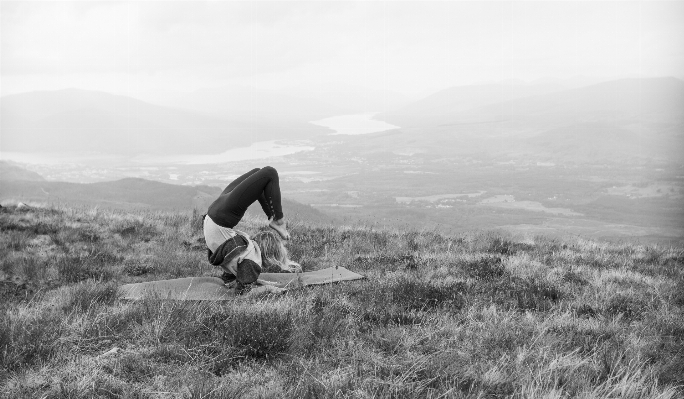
x=552, y=161
x=611, y=201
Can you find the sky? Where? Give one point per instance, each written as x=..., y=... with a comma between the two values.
x=410, y=47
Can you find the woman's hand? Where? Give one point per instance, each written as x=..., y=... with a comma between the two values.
x=294, y=266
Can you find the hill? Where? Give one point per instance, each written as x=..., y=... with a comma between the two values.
x=9, y=171
x=81, y=121
x=136, y=193
x=472, y=315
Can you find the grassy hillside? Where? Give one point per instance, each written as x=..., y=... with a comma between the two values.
x=473, y=315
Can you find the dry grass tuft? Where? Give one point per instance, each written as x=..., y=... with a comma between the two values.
x=477, y=315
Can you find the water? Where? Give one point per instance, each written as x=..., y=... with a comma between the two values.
x=88, y=167
x=435, y=198
x=355, y=124
x=258, y=150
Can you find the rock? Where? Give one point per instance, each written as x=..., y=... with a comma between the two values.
x=110, y=352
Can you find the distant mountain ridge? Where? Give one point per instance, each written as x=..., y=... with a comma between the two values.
x=621, y=118
x=74, y=120
x=496, y=102
x=615, y=119
x=457, y=99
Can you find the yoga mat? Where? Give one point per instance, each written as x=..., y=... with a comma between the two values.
x=213, y=289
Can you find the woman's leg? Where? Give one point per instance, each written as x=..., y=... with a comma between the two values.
x=262, y=185
x=262, y=197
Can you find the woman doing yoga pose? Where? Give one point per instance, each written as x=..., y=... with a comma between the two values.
x=243, y=257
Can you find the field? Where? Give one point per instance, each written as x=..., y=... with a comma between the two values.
x=468, y=315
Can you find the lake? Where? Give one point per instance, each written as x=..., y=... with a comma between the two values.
x=355, y=124
x=258, y=150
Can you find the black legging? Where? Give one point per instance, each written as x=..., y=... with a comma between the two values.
x=256, y=185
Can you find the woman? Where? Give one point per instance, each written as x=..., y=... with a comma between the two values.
x=241, y=257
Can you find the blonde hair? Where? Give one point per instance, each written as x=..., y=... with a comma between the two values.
x=274, y=255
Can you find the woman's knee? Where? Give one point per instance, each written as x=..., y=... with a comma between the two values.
x=270, y=170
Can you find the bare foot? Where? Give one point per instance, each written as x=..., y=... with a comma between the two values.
x=281, y=227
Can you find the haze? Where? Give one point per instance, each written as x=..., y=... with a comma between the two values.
x=147, y=49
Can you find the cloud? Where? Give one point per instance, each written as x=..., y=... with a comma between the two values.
x=405, y=45
x=222, y=40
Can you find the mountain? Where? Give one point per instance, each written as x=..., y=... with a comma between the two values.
x=73, y=121
x=440, y=107
x=9, y=171
x=245, y=103
x=654, y=97
x=627, y=117
x=659, y=100
x=135, y=193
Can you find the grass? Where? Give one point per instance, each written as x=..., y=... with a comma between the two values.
x=478, y=315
